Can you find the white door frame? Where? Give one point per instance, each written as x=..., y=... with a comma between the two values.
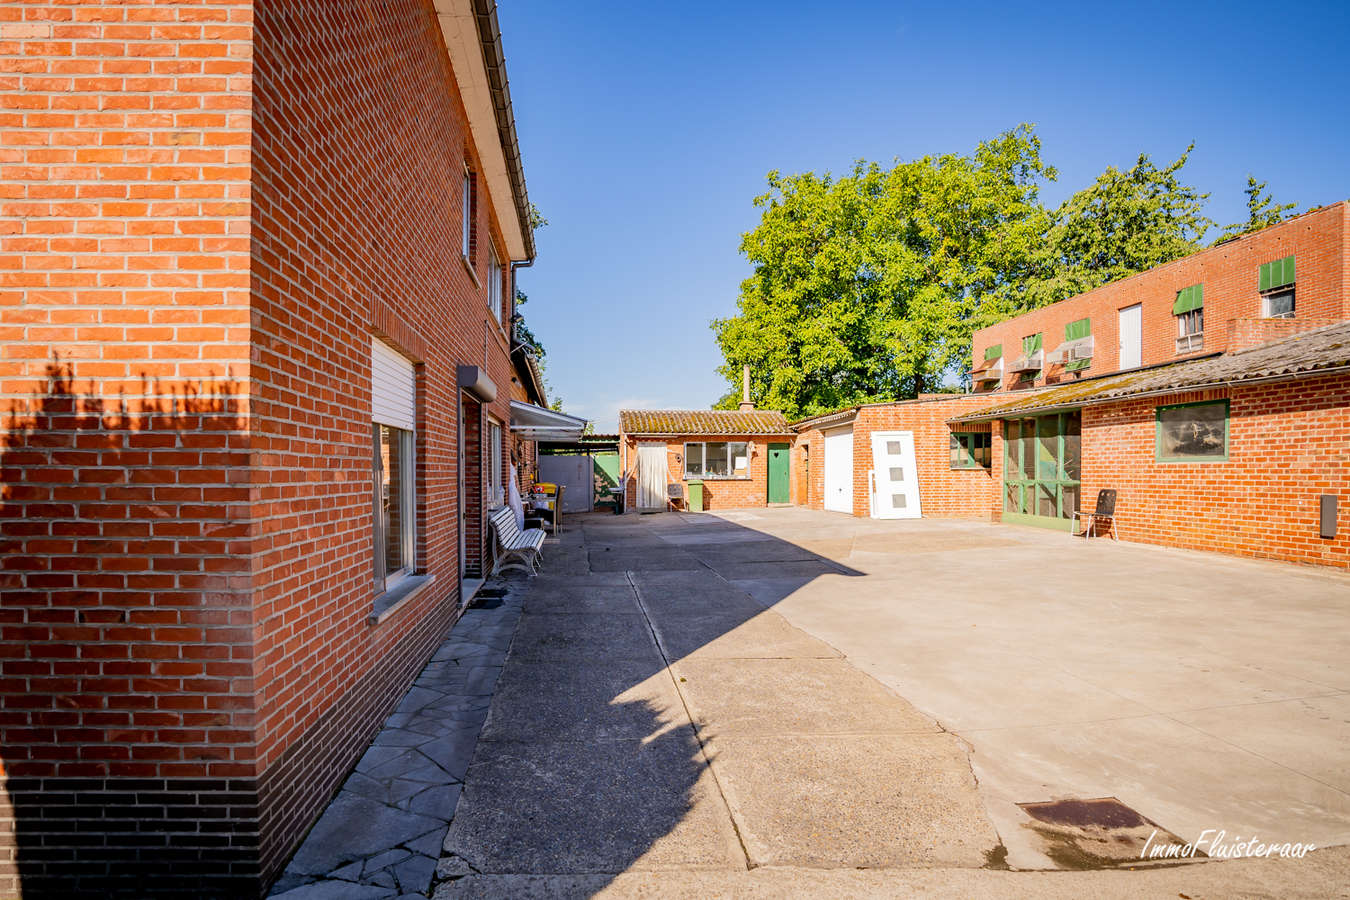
x=884, y=464
x=837, y=461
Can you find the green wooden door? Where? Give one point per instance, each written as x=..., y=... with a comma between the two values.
x=778, y=473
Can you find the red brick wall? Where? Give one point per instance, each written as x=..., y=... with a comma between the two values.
x=1289, y=442
x=718, y=493
x=125, y=629
x=943, y=491
x=207, y=249
x=1229, y=273
x=360, y=149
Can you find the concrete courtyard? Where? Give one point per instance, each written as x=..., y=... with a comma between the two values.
x=779, y=702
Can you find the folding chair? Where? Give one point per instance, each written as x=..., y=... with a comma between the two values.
x=1106, y=510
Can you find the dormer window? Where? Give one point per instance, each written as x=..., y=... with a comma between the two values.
x=1189, y=309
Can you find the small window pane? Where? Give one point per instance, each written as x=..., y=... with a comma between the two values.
x=715, y=459
x=693, y=460
x=1014, y=442
x=1069, y=493
x=1048, y=468
x=1281, y=304
x=897, y=501
x=893, y=448
x=1073, y=443
x=740, y=459
x=897, y=473
x=1045, y=500
x=395, y=470
x=1012, y=498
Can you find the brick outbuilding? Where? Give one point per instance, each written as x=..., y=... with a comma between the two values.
x=741, y=457
x=255, y=347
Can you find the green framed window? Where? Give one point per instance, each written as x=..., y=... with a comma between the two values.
x=1275, y=274
x=1076, y=331
x=1193, y=432
x=971, y=450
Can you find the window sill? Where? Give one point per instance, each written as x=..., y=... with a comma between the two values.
x=468, y=267
x=403, y=593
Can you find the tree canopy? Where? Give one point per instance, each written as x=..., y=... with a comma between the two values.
x=867, y=287
x=1262, y=212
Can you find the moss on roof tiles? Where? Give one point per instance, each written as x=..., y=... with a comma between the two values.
x=1305, y=353
x=702, y=421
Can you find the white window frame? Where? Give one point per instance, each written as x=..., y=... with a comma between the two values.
x=494, y=284
x=496, y=487
x=393, y=406
x=466, y=238
x=703, y=461
x=1280, y=292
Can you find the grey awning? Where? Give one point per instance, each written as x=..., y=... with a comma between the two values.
x=534, y=423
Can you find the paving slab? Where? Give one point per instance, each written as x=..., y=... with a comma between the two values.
x=854, y=801
x=719, y=597
x=773, y=550
x=581, y=636
x=779, y=697
x=594, y=700
x=762, y=635
x=548, y=806
x=612, y=600
x=658, y=560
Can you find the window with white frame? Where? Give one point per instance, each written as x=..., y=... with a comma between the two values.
x=494, y=283
x=1275, y=281
x=496, y=488
x=393, y=424
x=717, y=459
x=467, y=225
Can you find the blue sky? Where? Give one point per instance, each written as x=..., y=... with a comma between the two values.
x=647, y=130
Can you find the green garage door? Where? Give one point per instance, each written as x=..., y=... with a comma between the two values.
x=1042, y=470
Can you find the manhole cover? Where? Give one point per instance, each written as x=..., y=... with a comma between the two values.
x=1100, y=833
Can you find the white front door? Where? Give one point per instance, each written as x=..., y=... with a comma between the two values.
x=653, y=473
x=896, y=475
x=839, y=470
x=1132, y=336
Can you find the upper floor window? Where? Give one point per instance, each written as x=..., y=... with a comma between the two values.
x=494, y=283
x=468, y=226
x=1189, y=309
x=1032, y=358
x=1276, y=284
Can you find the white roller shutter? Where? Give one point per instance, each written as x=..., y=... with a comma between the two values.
x=393, y=388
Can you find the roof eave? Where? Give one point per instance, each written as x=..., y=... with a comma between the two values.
x=473, y=42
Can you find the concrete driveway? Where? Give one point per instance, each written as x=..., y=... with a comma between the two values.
x=1202, y=691
x=780, y=702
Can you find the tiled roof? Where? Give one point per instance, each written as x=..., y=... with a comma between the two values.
x=1306, y=353
x=702, y=421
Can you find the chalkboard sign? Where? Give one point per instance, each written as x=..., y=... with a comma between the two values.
x=675, y=491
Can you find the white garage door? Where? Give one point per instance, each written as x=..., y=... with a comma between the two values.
x=839, y=470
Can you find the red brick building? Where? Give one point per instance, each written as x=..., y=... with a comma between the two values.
x=255, y=313
x=1212, y=393
x=741, y=457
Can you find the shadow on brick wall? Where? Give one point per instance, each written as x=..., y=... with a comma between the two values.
x=124, y=644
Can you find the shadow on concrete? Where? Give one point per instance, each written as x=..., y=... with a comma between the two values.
x=593, y=763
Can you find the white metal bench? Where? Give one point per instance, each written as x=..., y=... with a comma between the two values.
x=513, y=548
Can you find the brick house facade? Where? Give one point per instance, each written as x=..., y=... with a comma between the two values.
x=211, y=215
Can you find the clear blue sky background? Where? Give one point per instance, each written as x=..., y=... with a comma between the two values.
x=647, y=130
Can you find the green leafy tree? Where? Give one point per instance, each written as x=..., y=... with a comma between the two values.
x=1124, y=223
x=868, y=287
x=1262, y=212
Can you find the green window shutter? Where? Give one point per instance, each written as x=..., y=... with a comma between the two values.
x=1080, y=329
x=994, y=352
x=1276, y=274
x=1031, y=344
x=1188, y=299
